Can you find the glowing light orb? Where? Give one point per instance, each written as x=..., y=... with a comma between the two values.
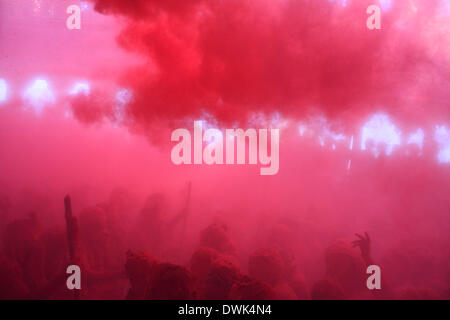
x=327, y=133
x=417, y=138
x=84, y=6
x=380, y=131
x=444, y=155
x=385, y=4
x=3, y=90
x=323, y=130
x=38, y=95
x=442, y=138
x=80, y=87
x=445, y=6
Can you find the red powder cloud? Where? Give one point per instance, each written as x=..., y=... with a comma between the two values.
x=232, y=58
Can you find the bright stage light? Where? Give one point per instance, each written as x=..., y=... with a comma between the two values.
x=80, y=87
x=385, y=4
x=3, y=90
x=380, y=130
x=417, y=138
x=38, y=95
x=442, y=138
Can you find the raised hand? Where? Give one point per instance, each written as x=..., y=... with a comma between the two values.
x=364, y=245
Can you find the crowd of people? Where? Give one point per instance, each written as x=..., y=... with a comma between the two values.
x=121, y=259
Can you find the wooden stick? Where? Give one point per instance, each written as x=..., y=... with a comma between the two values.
x=72, y=236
